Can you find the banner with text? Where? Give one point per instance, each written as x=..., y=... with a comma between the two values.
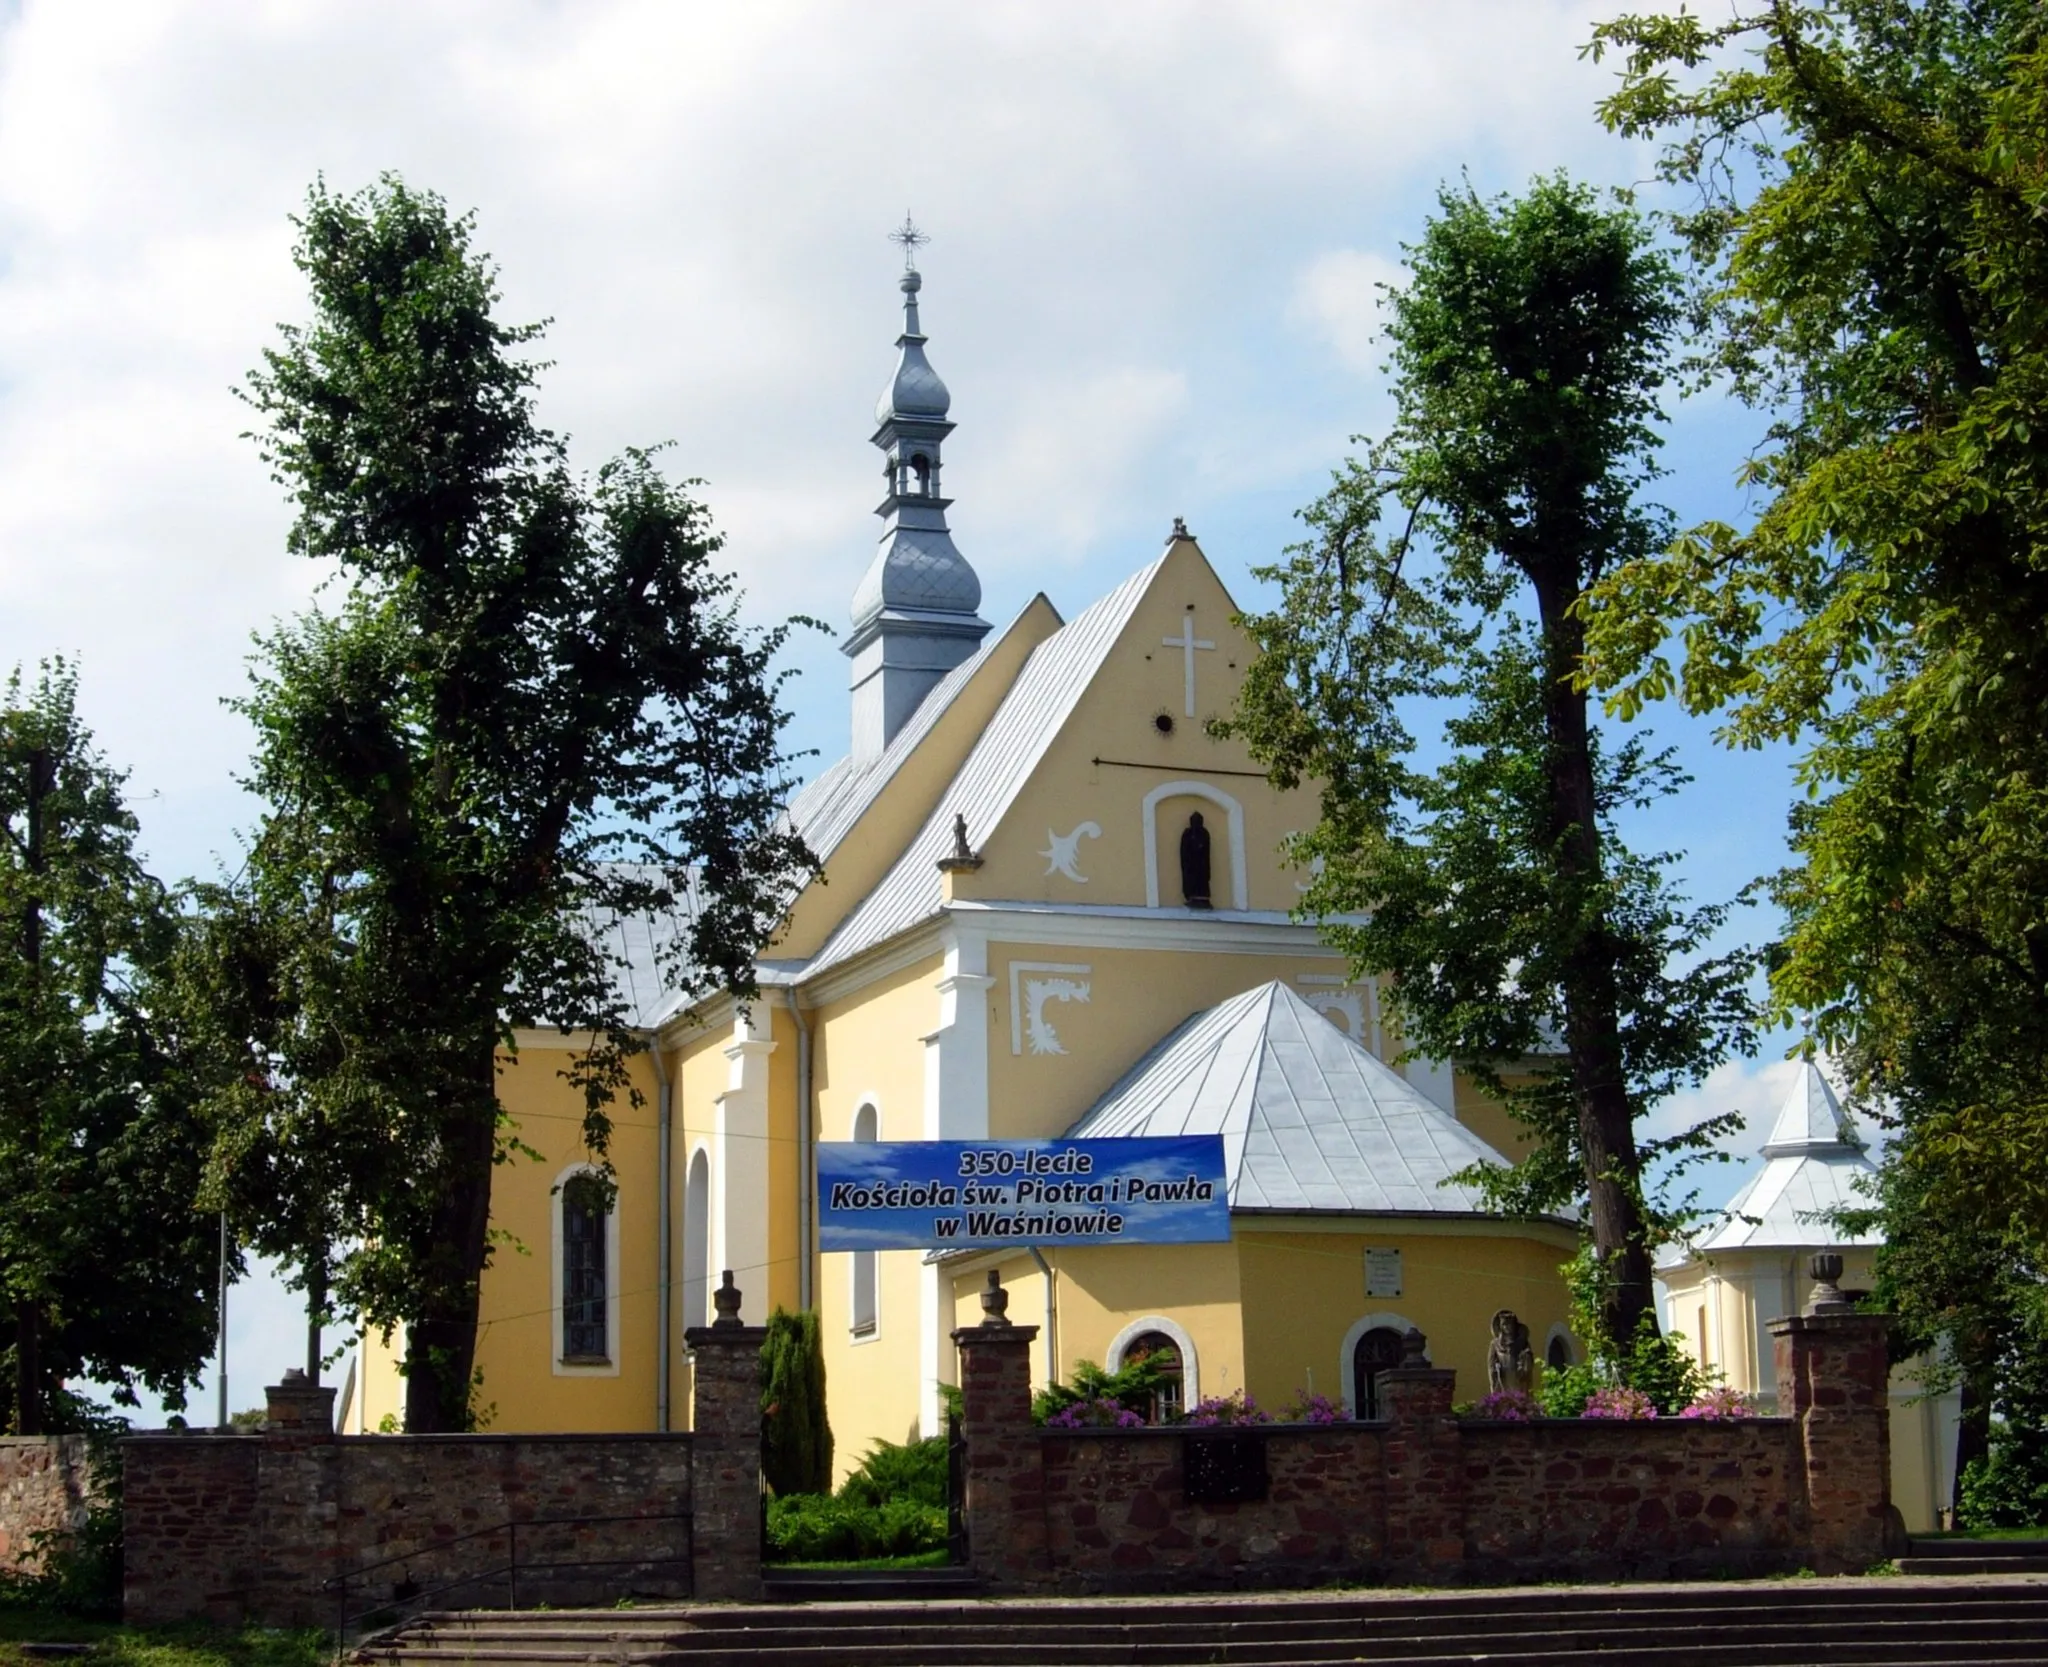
x=984, y=1194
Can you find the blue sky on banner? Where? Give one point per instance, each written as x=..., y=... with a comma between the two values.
x=1158, y=228
x=944, y=1194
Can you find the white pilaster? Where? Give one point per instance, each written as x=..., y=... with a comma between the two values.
x=740, y=1165
x=955, y=1108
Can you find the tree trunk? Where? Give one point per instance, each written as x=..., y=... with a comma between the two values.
x=1592, y=1028
x=441, y=1342
x=28, y=1369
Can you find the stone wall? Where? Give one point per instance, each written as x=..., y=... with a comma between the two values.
x=1426, y=1496
x=46, y=1487
x=268, y=1527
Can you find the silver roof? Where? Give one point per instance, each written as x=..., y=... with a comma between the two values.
x=826, y=810
x=1310, y=1120
x=1032, y=713
x=1813, y=1162
x=915, y=390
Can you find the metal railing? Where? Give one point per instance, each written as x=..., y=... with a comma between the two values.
x=406, y=1598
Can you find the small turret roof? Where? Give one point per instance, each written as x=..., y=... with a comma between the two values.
x=1310, y=1120
x=1813, y=1163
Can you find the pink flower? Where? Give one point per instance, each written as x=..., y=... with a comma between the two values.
x=1312, y=1409
x=1514, y=1406
x=1721, y=1402
x=1619, y=1403
x=1098, y=1413
x=1234, y=1408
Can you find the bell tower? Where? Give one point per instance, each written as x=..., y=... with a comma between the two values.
x=914, y=615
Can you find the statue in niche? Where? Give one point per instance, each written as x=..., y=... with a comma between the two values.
x=1510, y=1363
x=1194, y=863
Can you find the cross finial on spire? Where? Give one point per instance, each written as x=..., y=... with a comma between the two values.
x=910, y=238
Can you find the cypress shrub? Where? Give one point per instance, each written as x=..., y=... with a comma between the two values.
x=796, y=1441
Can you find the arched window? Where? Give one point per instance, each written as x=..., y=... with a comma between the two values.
x=1169, y=1400
x=1379, y=1350
x=697, y=1241
x=866, y=1126
x=921, y=469
x=586, y=1242
x=1557, y=1352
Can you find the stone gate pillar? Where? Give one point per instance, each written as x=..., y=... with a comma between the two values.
x=1425, y=1464
x=725, y=1453
x=1833, y=1377
x=1005, y=1458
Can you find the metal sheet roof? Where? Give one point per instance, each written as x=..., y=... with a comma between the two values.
x=825, y=810
x=1053, y=679
x=1310, y=1120
x=1813, y=1162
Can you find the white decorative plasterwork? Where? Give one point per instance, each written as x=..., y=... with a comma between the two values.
x=1064, y=981
x=1187, y=642
x=1063, y=851
x=1240, y=885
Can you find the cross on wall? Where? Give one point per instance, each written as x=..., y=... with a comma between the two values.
x=1187, y=642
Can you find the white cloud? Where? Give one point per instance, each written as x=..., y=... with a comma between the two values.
x=1342, y=296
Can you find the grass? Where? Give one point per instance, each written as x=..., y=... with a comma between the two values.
x=914, y=1560
x=115, y=1645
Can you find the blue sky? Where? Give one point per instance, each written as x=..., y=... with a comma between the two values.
x=1156, y=230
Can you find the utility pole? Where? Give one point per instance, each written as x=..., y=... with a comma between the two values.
x=221, y=1340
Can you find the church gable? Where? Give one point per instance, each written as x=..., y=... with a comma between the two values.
x=1131, y=774
x=858, y=817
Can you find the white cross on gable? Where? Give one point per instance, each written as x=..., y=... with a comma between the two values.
x=1187, y=642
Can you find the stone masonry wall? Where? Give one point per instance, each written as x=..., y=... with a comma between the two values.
x=1426, y=1496
x=235, y=1528
x=297, y=1527
x=1114, y=1518
x=1591, y=1498
x=46, y=1487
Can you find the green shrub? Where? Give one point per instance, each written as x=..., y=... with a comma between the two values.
x=2009, y=1488
x=1133, y=1386
x=796, y=1441
x=912, y=1470
x=78, y=1574
x=819, y=1528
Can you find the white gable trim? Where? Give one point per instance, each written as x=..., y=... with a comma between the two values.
x=1190, y=1367
x=1240, y=888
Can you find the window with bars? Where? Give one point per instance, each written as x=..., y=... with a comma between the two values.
x=585, y=1278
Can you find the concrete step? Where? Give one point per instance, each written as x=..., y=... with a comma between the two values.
x=1882, y=1623
x=869, y=1585
x=1946, y=1546
x=1974, y=1565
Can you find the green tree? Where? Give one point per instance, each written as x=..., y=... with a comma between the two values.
x=796, y=1439
x=1863, y=189
x=529, y=710
x=1523, y=937
x=106, y=1265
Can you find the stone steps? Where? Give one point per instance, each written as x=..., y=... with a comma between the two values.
x=1868, y=1623
x=1974, y=1557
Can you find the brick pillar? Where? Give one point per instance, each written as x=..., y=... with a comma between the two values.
x=1424, y=1463
x=725, y=1453
x=1833, y=1377
x=297, y=1504
x=1005, y=1459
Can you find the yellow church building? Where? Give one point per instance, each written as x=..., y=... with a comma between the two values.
x=1051, y=902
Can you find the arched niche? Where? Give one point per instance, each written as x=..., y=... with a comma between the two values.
x=1162, y=846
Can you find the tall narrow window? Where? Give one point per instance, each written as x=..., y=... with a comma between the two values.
x=585, y=1278
x=697, y=1242
x=866, y=1126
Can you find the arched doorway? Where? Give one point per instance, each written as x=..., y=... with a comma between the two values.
x=1377, y=1351
x=1169, y=1400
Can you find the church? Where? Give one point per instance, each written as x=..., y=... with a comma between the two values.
x=1051, y=903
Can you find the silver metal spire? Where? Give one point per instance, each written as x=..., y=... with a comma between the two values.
x=914, y=615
